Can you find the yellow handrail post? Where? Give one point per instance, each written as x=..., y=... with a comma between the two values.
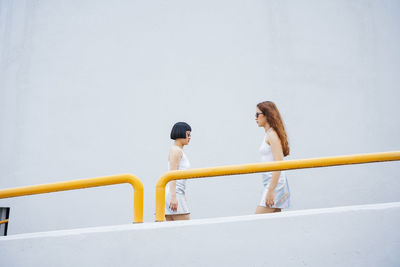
x=263, y=167
x=85, y=183
x=137, y=200
x=4, y=221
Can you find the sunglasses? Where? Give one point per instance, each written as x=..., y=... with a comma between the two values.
x=258, y=114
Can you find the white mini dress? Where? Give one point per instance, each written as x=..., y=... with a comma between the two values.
x=180, y=190
x=281, y=191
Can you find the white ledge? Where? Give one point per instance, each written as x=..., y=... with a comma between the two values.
x=158, y=225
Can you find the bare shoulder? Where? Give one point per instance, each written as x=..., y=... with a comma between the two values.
x=175, y=153
x=273, y=134
x=273, y=137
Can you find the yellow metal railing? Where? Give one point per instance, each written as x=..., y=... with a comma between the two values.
x=5, y=221
x=263, y=167
x=85, y=183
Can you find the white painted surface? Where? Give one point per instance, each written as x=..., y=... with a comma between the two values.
x=345, y=236
x=92, y=88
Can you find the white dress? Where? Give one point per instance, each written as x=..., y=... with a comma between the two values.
x=180, y=190
x=281, y=191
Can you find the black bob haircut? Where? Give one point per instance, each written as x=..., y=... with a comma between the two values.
x=179, y=130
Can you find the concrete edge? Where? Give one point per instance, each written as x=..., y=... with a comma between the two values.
x=158, y=225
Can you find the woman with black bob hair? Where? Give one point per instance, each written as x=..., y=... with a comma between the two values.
x=175, y=200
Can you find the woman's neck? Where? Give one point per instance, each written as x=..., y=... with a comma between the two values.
x=178, y=144
x=267, y=128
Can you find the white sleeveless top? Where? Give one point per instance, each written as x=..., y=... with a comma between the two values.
x=266, y=150
x=267, y=156
x=183, y=165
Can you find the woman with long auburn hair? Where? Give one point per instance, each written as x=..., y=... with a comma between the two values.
x=274, y=147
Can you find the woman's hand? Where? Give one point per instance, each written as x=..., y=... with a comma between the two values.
x=173, y=204
x=269, y=202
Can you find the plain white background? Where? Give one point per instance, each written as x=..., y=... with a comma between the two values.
x=92, y=88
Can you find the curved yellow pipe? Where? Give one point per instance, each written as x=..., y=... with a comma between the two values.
x=85, y=183
x=263, y=167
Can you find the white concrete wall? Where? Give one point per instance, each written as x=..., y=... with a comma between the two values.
x=91, y=88
x=349, y=236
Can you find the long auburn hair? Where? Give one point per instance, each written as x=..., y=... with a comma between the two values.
x=271, y=112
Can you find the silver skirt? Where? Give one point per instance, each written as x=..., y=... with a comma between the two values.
x=281, y=191
x=182, y=204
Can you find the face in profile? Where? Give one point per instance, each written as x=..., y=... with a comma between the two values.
x=187, y=139
x=261, y=119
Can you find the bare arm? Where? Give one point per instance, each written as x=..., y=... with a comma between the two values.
x=277, y=153
x=175, y=156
